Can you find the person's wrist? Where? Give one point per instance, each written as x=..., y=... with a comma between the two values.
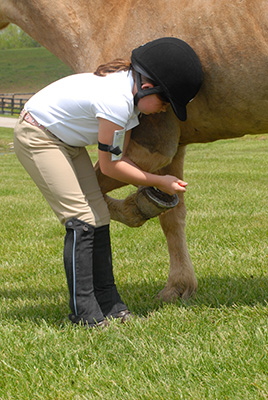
x=159, y=181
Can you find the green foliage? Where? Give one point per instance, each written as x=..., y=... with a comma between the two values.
x=13, y=37
x=212, y=347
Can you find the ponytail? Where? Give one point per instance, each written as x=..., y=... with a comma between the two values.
x=113, y=66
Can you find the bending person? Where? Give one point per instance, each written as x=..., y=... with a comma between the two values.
x=50, y=138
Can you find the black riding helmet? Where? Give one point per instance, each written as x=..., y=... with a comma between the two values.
x=175, y=69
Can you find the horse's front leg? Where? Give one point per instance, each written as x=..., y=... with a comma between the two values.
x=145, y=203
x=153, y=145
x=181, y=279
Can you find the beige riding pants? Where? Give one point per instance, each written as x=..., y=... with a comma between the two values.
x=64, y=174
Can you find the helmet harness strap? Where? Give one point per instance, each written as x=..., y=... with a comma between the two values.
x=144, y=92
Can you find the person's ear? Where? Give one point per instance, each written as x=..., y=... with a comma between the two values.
x=147, y=85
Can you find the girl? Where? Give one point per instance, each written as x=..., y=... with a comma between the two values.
x=50, y=138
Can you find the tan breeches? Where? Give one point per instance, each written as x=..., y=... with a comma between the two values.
x=64, y=174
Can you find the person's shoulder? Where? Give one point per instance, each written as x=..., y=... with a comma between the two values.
x=82, y=76
x=119, y=76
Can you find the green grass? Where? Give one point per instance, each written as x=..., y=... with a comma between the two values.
x=29, y=70
x=213, y=346
x=6, y=140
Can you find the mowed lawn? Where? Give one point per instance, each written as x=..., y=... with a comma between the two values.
x=29, y=70
x=213, y=346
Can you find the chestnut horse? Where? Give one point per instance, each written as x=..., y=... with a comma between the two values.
x=231, y=40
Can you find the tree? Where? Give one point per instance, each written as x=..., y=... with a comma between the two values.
x=13, y=37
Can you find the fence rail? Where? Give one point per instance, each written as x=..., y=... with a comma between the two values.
x=12, y=103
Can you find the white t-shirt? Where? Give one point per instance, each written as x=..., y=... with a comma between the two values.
x=70, y=107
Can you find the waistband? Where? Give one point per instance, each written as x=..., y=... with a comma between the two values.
x=27, y=117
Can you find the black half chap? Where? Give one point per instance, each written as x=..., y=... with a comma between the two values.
x=88, y=267
x=103, y=277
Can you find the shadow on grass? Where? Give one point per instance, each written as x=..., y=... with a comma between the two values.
x=213, y=291
x=36, y=304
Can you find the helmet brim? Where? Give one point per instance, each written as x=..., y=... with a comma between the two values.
x=179, y=110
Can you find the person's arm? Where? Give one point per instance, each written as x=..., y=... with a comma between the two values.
x=125, y=170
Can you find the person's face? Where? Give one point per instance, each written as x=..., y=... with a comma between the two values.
x=152, y=103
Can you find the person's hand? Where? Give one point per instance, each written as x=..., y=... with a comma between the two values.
x=171, y=184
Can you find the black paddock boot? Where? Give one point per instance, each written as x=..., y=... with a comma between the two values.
x=78, y=259
x=105, y=289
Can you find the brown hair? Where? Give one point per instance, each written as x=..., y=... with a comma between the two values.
x=113, y=66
